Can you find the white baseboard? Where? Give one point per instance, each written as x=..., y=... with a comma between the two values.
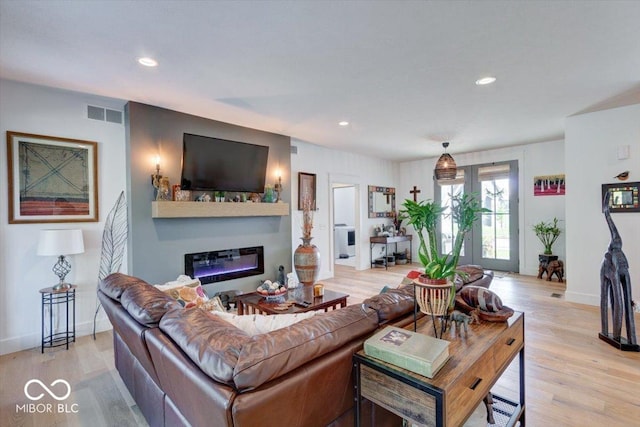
x=581, y=298
x=26, y=342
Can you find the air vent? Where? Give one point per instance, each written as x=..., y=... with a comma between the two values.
x=294, y=149
x=104, y=114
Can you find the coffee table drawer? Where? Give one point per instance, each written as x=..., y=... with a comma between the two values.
x=472, y=386
x=509, y=343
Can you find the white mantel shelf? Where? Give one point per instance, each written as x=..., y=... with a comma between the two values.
x=216, y=209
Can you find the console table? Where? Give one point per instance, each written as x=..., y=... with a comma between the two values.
x=386, y=241
x=477, y=360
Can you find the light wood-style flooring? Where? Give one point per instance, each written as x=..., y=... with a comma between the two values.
x=572, y=377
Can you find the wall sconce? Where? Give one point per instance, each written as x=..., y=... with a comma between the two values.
x=278, y=186
x=155, y=177
x=445, y=166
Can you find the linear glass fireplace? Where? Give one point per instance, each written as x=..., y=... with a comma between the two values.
x=227, y=264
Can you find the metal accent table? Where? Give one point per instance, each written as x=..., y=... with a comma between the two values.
x=383, y=240
x=52, y=298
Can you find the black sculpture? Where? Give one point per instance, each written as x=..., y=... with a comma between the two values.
x=615, y=289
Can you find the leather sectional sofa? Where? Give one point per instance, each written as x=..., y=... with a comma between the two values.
x=187, y=367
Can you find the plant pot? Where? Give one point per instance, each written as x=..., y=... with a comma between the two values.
x=306, y=261
x=433, y=295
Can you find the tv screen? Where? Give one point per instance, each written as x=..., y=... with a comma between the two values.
x=218, y=164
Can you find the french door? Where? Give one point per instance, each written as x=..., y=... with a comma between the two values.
x=493, y=242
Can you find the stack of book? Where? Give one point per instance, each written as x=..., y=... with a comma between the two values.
x=412, y=351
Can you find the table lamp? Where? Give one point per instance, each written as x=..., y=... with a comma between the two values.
x=60, y=243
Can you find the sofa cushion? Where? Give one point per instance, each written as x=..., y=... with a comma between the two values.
x=211, y=343
x=146, y=304
x=254, y=324
x=392, y=304
x=187, y=291
x=268, y=356
x=116, y=283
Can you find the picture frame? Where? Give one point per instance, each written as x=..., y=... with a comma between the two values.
x=306, y=189
x=51, y=179
x=549, y=185
x=624, y=197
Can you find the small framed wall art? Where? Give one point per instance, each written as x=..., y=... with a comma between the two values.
x=51, y=179
x=306, y=190
x=622, y=197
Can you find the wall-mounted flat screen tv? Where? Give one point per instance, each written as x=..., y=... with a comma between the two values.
x=210, y=164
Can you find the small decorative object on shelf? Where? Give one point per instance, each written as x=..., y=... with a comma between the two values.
x=163, y=189
x=306, y=258
x=269, y=195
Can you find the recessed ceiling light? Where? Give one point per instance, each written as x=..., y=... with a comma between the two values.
x=148, y=62
x=485, y=81
x=343, y=123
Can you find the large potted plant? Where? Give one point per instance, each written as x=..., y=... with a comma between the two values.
x=440, y=270
x=548, y=233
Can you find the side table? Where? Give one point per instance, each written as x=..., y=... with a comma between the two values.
x=50, y=298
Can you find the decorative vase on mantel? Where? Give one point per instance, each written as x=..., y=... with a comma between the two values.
x=306, y=261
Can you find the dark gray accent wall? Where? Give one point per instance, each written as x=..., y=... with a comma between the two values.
x=156, y=247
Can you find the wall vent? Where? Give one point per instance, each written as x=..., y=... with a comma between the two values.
x=104, y=114
x=294, y=149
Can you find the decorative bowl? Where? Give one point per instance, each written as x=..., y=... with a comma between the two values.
x=272, y=291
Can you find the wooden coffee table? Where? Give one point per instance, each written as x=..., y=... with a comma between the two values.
x=254, y=303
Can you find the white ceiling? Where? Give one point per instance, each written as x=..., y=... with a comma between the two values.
x=402, y=72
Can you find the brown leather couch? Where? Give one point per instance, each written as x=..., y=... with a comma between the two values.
x=191, y=368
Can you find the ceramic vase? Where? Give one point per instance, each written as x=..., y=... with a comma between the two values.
x=306, y=261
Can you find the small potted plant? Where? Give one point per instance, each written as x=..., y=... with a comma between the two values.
x=548, y=233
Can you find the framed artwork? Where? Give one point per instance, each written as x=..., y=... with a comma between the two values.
x=623, y=197
x=306, y=189
x=549, y=185
x=51, y=179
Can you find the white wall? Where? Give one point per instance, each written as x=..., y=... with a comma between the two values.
x=592, y=141
x=46, y=111
x=533, y=159
x=334, y=166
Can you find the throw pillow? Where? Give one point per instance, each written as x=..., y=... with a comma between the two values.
x=254, y=324
x=187, y=291
x=483, y=298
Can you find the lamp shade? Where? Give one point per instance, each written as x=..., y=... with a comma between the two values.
x=60, y=242
x=445, y=166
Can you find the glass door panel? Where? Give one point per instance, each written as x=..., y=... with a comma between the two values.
x=493, y=243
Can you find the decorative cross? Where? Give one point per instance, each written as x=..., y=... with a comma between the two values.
x=415, y=192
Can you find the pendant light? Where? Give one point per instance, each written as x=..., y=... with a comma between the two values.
x=445, y=166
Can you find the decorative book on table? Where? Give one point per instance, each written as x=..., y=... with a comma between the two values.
x=412, y=351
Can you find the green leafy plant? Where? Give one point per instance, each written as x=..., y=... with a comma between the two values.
x=423, y=216
x=465, y=211
x=548, y=233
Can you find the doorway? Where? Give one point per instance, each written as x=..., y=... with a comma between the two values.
x=345, y=214
x=493, y=242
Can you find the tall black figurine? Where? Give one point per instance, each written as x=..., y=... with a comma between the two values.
x=615, y=288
